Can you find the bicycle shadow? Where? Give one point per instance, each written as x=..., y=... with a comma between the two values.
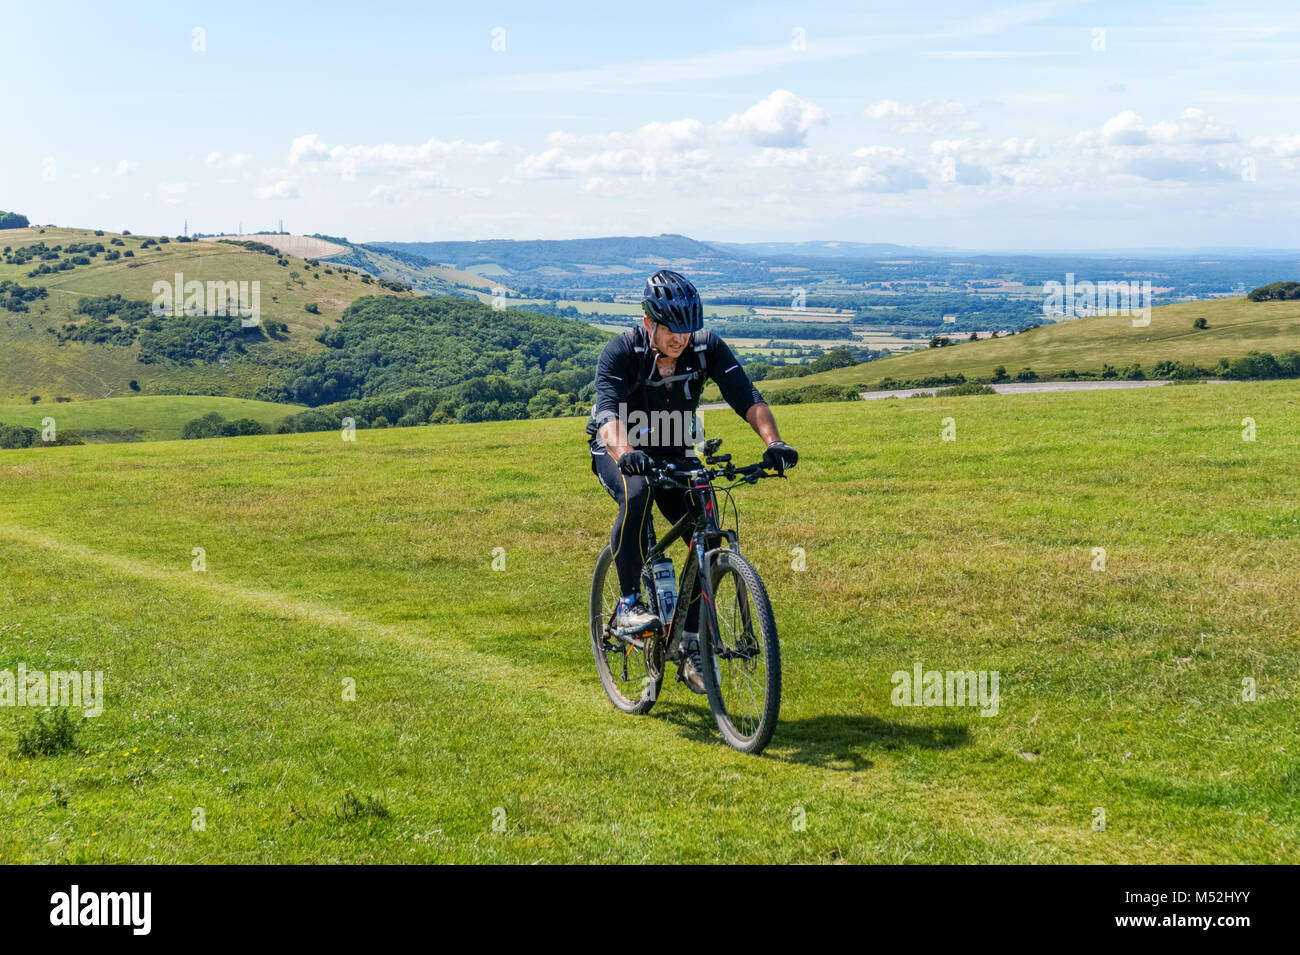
x=840, y=743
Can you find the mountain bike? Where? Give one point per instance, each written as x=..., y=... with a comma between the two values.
x=740, y=656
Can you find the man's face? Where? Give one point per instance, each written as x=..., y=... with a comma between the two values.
x=665, y=342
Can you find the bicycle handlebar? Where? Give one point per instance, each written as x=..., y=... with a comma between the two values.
x=671, y=475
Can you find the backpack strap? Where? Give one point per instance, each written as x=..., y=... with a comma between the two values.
x=700, y=342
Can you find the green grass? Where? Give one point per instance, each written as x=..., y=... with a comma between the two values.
x=32, y=362
x=140, y=418
x=1237, y=326
x=476, y=699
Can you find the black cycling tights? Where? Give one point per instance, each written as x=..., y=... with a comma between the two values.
x=634, y=496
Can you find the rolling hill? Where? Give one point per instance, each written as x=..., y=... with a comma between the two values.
x=33, y=362
x=1237, y=326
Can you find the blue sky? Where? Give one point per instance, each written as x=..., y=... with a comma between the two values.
x=985, y=125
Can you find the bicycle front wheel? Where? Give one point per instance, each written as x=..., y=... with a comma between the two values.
x=742, y=659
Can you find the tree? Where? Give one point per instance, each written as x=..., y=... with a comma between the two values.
x=1000, y=373
x=1200, y=323
x=12, y=220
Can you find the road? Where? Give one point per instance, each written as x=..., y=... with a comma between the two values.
x=1017, y=388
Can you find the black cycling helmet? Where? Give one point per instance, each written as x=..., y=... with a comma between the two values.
x=670, y=299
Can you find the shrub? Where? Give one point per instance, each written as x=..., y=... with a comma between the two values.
x=1026, y=374
x=14, y=436
x=214, y=425
x=312, y=307
x=811, y=394
x=49, y=736
x=1277, y=292
x=1200, y=323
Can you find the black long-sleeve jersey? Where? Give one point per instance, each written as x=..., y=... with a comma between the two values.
x=629, y=386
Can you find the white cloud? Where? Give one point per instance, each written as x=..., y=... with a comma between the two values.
x=911, y=118
x=1190, y=148
x=237, y=161
x=669, y=148
x=556, y=162
x=1284, y=147
x=671, y=136
x=126, y=168
x=387, y=157
x=283, y=189
x=980, y=162
x=772, y=158
x=1194, y=127
x=781, y=119
x=884, y=169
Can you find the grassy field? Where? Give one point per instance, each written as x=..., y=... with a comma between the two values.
x=479, y=731
x=32, y=362
x=140, y=418
x=1236, y=326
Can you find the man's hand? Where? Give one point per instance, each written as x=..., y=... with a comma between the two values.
x=635, y=462
x=780, y=456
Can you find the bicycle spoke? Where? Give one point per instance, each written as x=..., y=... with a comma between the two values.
x=742, y=671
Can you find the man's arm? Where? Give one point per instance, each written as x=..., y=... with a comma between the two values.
x=740, y=392
x=612, y=387
x=613, y=435
x=761, y=420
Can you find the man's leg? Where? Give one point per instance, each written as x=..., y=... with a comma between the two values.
x=633, y=495
x=673, y=504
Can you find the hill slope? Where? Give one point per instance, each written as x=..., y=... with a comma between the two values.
x=33, y=362
x=331, y=563
x=1236, y=327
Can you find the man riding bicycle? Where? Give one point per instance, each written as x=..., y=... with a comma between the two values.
x=648, y=384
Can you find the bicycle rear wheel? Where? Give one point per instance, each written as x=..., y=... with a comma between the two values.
x=742, y=660
x=630, y=681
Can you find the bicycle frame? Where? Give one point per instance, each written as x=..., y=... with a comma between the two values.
x=703, y=516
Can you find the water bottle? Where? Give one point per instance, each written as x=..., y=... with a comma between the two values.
x=665, y=588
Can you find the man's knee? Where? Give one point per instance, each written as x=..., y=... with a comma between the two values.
x=639, y=493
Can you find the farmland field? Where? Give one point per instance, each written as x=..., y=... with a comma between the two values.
x=478, y=730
